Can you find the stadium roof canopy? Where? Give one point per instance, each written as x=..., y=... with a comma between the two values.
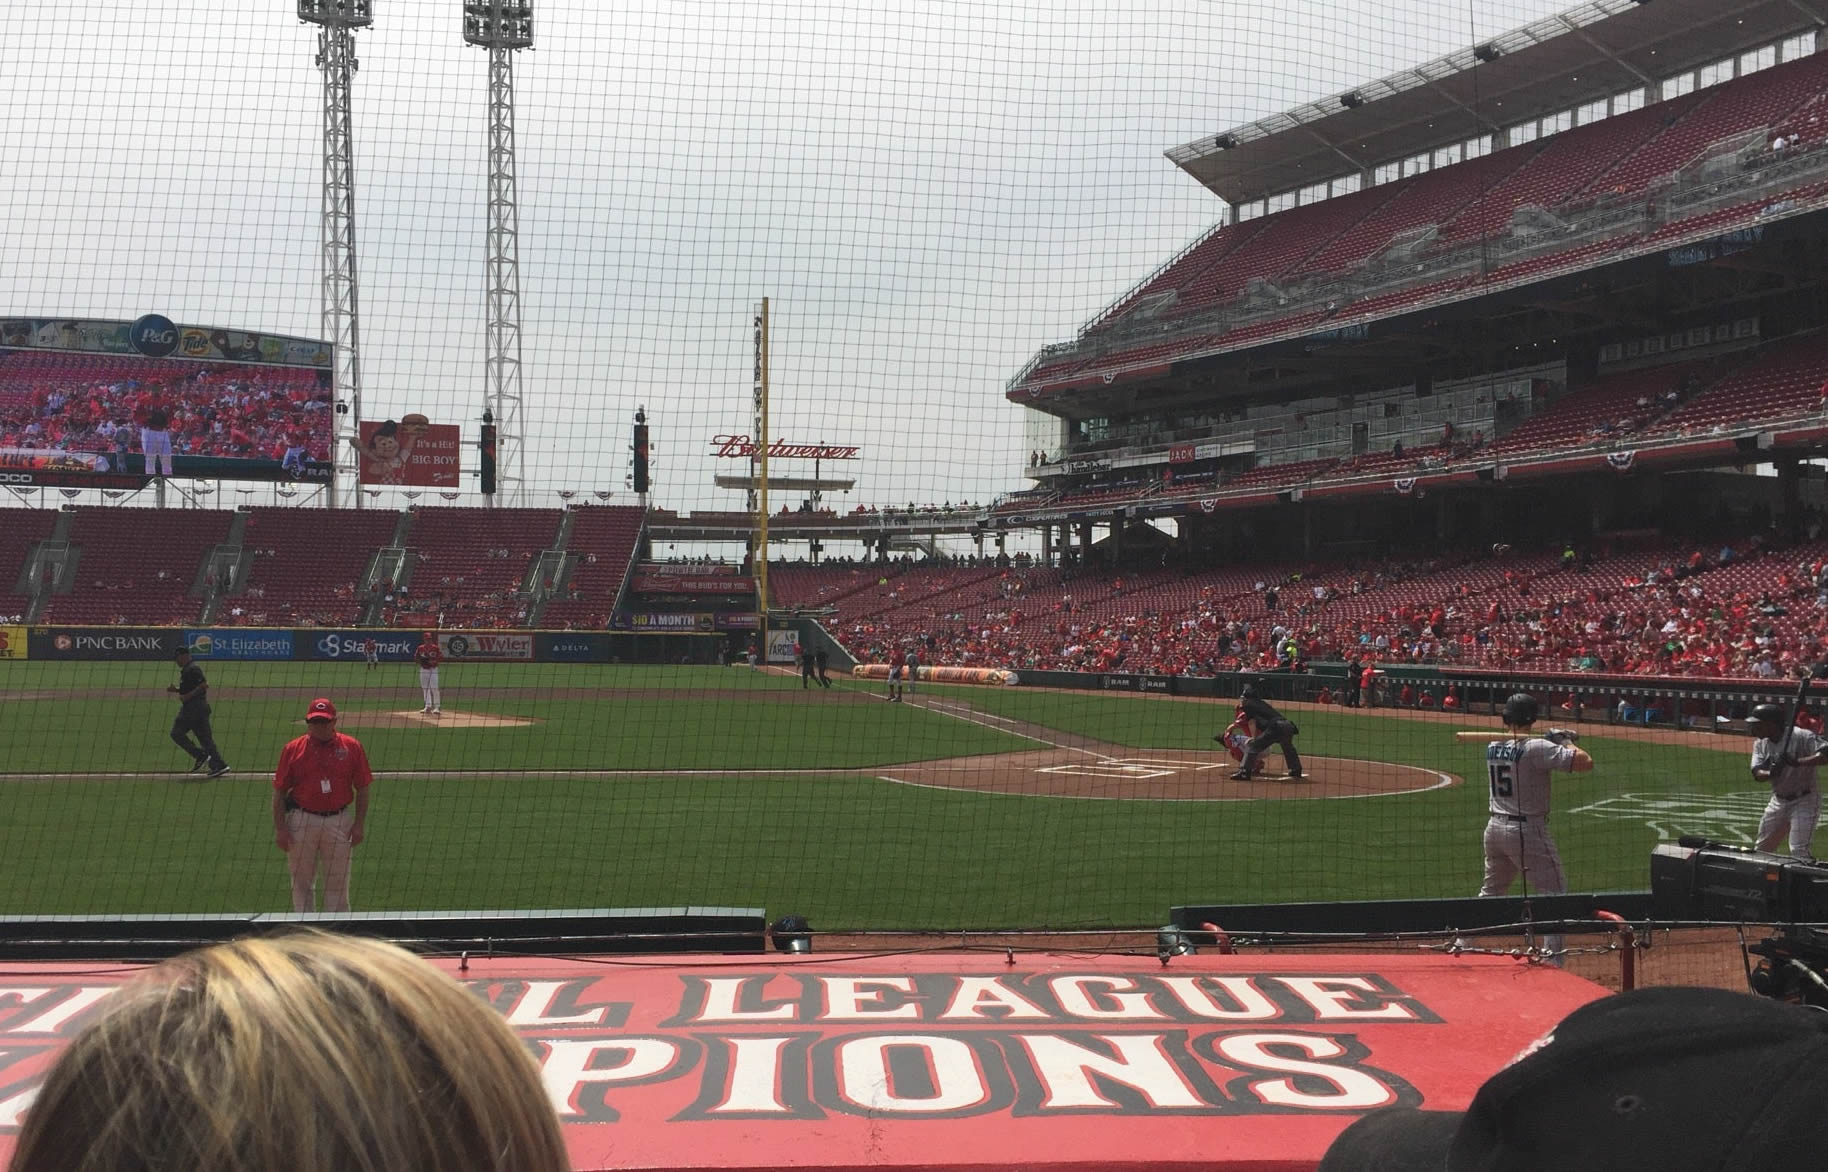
x=1558, y=63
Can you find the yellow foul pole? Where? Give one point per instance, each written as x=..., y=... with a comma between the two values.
x=761, y=494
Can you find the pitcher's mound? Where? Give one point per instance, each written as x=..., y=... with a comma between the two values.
x=413, y=718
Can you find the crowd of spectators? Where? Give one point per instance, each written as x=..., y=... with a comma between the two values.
x=209, y=409
x=1753, y=610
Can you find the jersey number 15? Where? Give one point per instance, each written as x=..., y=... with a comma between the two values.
x=1501, y=779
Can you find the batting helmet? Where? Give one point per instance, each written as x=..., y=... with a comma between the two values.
x=1521, y=709
x=1768, y=714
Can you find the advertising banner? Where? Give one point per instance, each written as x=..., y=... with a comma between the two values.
x=658, y=621
x=949, y=1061
x=738, y=620
x=239, y=643
x=571, y=647
x=781, y=644
x=410, y=451
x=12, y=642
x=677, y=582
x=101, y=643
x=486, y=644
x=390, y=646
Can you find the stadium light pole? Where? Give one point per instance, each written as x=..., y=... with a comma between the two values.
x=501, y=27
x=337, y=21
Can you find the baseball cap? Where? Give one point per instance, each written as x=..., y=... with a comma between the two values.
x=321, y=709
x=1676, y=1079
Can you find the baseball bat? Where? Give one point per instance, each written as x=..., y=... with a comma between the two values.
x=1796, y=706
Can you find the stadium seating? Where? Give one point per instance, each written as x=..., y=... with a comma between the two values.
x=469, y=565
x=1785, y=382
x=1557, y=168
x=1434, y=198
x=137, y=565
x=1764, y=99
x=1518, y=610
x=1279, y=245
x=307, y=566
x=604, y=539
x=20, y=530
x=1610, y=159
x=1610, y=410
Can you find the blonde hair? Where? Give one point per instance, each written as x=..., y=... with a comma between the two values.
x=302, y=1051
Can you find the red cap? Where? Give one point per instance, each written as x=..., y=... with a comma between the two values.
x=321, y=709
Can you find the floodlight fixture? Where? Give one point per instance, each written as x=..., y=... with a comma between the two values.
x=1352, y=101
x=1488, y=53
x=1226, y=142
x=337, y=13
x=498, y=24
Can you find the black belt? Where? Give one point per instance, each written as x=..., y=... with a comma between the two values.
x=1513, y=817
x=319, y=813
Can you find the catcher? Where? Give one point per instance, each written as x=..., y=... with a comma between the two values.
x=1786, y=759
x=1517, y=840
x=1237, y=735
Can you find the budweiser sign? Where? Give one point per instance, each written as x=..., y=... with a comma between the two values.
x=741, y=447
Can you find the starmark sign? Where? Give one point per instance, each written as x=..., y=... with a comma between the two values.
x=954, y=1060
x=741, y=447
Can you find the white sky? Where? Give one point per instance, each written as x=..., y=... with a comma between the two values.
x=927, y=192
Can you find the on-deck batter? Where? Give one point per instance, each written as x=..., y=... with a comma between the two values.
x=1788, y=762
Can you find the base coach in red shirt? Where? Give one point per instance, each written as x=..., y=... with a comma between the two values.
x=320, y=806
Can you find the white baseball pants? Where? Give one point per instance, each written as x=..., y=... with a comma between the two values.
x=156, y=447
x=428, y=684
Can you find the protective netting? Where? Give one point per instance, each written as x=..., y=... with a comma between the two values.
x=927, y=196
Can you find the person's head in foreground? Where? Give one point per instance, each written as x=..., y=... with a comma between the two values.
x=1675, y=1080
x=304, y=1051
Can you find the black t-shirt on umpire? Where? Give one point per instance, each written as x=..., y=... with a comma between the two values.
x=190, y=678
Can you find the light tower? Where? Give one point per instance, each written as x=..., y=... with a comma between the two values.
x=502, y=26
x=337, y=21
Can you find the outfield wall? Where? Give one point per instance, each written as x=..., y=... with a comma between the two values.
x=332, y=644
x=1666, y=701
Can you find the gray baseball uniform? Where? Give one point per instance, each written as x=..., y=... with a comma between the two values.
x=1796, y=803
x=1517, y=839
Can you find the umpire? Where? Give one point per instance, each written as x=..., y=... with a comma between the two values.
x=193, y=718
x=1272, y=728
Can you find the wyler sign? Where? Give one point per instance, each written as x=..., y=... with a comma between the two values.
x=741, y=447
x=484, y=645
x=958, y=1060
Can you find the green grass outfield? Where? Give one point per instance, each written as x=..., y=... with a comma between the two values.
x=623, y=792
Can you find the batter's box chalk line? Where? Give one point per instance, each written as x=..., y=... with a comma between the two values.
x=1137, y=770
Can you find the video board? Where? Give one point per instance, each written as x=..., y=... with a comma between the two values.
x=101, y=404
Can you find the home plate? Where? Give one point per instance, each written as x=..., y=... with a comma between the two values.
x=413, y=718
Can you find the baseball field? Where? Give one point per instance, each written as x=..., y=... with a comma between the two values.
x=557, y=786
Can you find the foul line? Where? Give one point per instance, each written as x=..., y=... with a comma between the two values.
x=941, y=707
x=1446, y=780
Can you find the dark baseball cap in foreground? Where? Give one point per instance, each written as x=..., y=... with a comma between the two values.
x=1676, y=1080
